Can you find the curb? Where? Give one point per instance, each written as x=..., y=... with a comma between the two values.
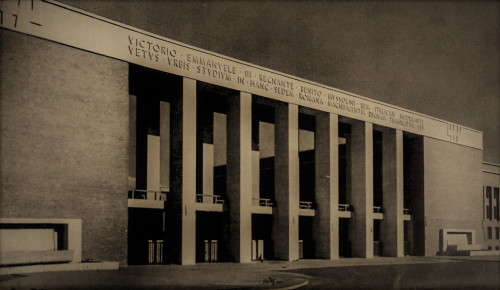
x=298, y=285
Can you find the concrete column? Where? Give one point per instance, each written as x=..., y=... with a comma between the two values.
x=326, y=221
x=255, y=176
x=205, y=151
x=208, y=172
x=165, y=144
x=362, y=189
x=392, y=168
x=153, y=171
x=239, y=177
x=255, y=155
x=181, y=235
x=132, y=157
x=286, y=172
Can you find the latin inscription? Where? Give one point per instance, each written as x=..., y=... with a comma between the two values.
x=264, y=84
x=146, y=49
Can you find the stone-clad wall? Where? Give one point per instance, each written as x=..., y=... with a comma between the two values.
x=64, y=139
x=453, y=190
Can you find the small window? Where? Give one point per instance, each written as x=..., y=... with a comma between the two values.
x=497, y=248
x=496, y=210
x=489, y=248
x=489, y=204
x=497, y=233
x=488, y=192
x=489, y=233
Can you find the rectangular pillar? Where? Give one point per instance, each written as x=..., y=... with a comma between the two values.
x=255, y=155
x=208, y=172
x=326, y=221
x=205, y=154
x=132, y=153
x=181, y=235
x=239, y=177
x=255, y=177
x=153, y=171
x=362, y=189
x=393, y=184
x=164, y=145
x=286, y=172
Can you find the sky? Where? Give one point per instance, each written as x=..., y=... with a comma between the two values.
x=439, y=58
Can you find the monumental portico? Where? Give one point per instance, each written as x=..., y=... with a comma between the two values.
x=230, y=161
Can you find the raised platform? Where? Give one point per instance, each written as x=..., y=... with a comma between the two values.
x=104, y=265
x=474, y=247
x=484, y=253
x=35, y=257
x=471, y=253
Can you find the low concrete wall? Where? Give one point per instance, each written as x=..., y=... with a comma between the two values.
x=27, y=240
x=23, y=240
x=35, y=257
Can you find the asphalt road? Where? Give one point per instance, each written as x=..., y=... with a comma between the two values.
x=448, y=275
x=354, y=273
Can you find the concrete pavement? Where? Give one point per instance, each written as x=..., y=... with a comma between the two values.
x=267, y=275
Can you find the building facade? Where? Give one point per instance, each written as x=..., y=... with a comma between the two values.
x=119, y=144
x=491, y=222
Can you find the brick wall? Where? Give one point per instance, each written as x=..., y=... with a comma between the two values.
x=64, y=139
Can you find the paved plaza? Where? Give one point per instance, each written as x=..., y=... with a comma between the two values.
x=377, y=273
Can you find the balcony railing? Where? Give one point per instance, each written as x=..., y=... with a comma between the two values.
x=209, y=198
x=147, y=194
x=263, y=202
x=377, y=209
x=345, y=207
x=306, y=205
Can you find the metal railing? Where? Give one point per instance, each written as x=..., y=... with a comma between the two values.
x=147, y=194
x=263, y=202
x=306, y=205
x=209, y=198
x=377, y=209
x=345, y=207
